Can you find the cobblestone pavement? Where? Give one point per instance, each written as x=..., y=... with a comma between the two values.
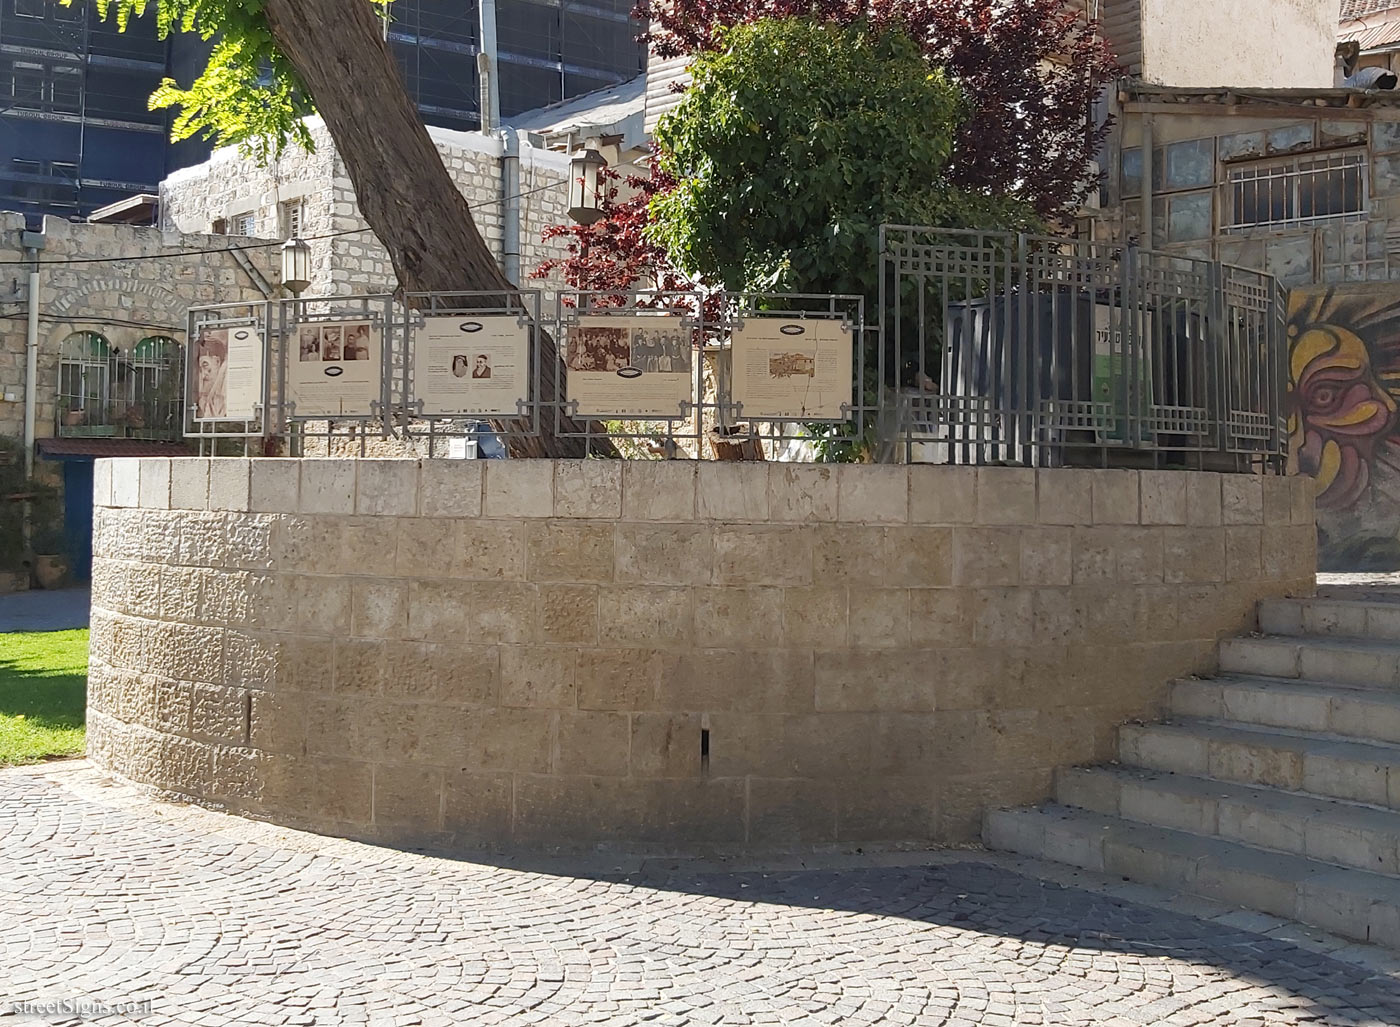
x=109, y=896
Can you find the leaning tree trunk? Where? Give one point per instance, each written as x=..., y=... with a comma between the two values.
x=404, y=190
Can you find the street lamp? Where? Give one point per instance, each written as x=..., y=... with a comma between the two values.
x=585, y=186
x=296, y=266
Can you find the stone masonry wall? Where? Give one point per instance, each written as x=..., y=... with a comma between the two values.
x=229, y=184
x=538, y=653
x=127, y=284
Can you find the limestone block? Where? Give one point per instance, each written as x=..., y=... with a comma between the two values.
x=1116, y=497
x=1193, y=554
x=1164, y=497
x=1065, y=496
x=275, y=485
x=408, y=796
x=732, y=491
x=229, y=484
x=588, y=488
x=519, y=488
x=515, y=740
x=919, y=557
x=327, y=486
x=449, y=675
x=570, y=552
x=986, y=556
x=1243, y=549
x=334, y=790
x=538, y=677
x=1006, y=495
x=665, y=745
x=658, y=490
x=895, y=810
x=1204, y=499
x=851, y=555
x=386, y=488
x=219, y=714
x=379, y=608
x=1338, y=777
x=1003, y=616
x=1047, y=556
x=567, y=614
x=942, y=495
x=656, y=615
x=277, y=722
x=803, y=493
x=1255, y=764
x=743, y=617
x=155, y=484
x=815, y=616
x=593, y=743
x=763, y=555
x=1140, y=554
x=1302, y=508
x=450, y=488
x=249, y=542
x=102, y=483
x=872, y=493
x=1242, y=498
x=126, y=482
x=1277, y=499
x=937, y=617
x=666, y=554
x=849, y=681
x=613, y=809
x=476, y=807
x=359, y=545
x=879, y=618
x=618, y=679
x=784, y=812
x=319, y=606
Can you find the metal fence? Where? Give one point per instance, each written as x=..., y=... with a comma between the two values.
x=983, y=348
x=1005, y=348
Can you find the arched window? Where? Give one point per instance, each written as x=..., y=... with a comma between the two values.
x=153, y=384
x=84, y=380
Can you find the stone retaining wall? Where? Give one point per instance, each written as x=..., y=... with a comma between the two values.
x=672, y=654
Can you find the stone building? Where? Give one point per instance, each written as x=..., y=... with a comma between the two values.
x=310, y=195
x=112, y=303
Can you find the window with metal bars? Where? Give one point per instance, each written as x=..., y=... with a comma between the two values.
x=292, y=218
x=1298, y=191
x=243, y=224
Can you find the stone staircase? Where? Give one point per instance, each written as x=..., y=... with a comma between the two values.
x=1274, y=786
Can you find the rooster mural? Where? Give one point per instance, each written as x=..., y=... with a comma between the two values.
x=1344, y=415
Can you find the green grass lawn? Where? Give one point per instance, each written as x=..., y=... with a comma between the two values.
x=43, y=695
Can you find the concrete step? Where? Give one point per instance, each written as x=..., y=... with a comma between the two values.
x=1344, y=833
x=1358, y=713
x=1353, y=903
x=1320, y=765
x=1361, y=663
x=1331, y=617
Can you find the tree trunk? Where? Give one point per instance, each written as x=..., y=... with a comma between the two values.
x=404, y=191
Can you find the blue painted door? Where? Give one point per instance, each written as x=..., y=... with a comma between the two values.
x=77, y=516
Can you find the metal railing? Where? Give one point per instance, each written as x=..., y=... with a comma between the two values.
x=1030, y=350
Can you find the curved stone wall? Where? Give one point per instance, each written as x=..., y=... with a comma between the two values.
x=672, y=654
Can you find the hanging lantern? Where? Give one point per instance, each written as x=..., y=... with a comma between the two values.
x=296, y=266
x=586, y=185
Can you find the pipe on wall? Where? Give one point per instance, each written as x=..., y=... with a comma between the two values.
x=33, y=243
x=510, y=204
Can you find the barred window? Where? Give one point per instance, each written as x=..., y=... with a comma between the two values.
x=1298, y=191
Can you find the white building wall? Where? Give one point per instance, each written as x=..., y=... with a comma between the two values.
x=228, y=184
x=1263, y=44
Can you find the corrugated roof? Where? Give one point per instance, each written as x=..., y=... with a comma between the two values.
x=1361, y=8
x=97, y=448
x=1387, y=34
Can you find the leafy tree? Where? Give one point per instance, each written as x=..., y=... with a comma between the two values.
x=1031, y=70
x=797, y=140
x=276, y=61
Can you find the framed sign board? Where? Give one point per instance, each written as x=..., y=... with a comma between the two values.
x=477, y=364
x=793, y=369
x=335, y=368
x=634, y=365
x=225, y=374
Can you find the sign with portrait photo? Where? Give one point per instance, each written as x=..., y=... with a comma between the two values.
x=630, y=366
x=226, y=373
x=472, y=364
x=335, y=368
x=792, y=369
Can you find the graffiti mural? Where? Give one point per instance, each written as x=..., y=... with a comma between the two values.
x=1344, y=419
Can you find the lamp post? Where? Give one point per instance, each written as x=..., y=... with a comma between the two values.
x=585, y=186
x=296, y=266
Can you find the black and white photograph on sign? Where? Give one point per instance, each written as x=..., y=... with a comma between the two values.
x=227, y=373
x=339, y=371
x=793, y=369
x=636, y=366
x=472, y=364
x=310, y=338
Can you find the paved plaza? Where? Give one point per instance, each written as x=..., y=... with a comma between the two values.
x=110, y=897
